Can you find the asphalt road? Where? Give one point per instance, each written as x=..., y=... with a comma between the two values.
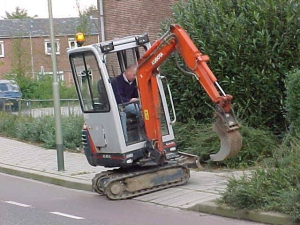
x=27, y=202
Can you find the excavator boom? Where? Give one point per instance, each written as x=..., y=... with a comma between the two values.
x=176, y=39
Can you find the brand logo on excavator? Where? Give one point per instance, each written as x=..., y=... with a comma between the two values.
x=157, y=58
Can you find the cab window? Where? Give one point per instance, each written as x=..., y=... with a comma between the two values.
x=89, y=82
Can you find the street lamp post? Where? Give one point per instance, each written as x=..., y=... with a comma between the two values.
x=56, y=97
x=101, y=19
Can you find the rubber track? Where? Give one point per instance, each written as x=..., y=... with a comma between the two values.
x=118, y=177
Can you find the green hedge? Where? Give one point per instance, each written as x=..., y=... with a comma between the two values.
x=192, y=137
x=251, y=45
x=201, y=140
x=41, y=130
x=275, y=186
x=293, y=102
x=42, y=88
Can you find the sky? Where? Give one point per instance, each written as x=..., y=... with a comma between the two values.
x=60, y=8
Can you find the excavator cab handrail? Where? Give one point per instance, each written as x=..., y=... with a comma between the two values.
x=171, y=100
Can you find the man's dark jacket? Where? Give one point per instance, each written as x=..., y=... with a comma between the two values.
x=123, y=90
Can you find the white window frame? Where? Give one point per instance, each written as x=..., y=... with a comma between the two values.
x=2, y=49
x=48, y=49
x=70, y=41
x=60, y=75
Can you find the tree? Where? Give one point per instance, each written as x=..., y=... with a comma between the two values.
x=84, y=18
x=18, y=14
x=19, y=65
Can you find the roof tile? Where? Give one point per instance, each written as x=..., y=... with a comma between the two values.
x=40, y=27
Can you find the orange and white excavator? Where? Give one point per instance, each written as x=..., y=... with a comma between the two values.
x=148, y=159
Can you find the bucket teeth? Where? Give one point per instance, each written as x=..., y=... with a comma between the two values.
x=231, y=141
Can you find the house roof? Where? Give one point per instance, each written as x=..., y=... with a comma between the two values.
x=40, y=27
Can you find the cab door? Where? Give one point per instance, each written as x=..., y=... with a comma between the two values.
x=92, y=94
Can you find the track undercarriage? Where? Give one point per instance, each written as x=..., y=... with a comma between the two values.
x=151, y=176
x=123, y=184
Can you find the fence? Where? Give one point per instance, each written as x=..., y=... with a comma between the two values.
x=36, y=108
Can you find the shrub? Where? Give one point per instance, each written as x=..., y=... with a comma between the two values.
x=201, y=140
x=28, y=129
x=292, y=101
x=72, y=132
x=251, y=44
x=47, y=134
x=41, y=130
x=275, y=187
x=7, y=124
x=42, y=88
x=291, y=203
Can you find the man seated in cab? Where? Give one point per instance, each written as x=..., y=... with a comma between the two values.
x=126, y=94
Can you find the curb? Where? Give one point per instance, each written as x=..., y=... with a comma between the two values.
x=46, y=177
x=255, y=216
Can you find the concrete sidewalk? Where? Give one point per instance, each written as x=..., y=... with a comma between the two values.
x=30, y=161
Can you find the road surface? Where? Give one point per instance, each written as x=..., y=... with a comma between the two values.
x=27, y=202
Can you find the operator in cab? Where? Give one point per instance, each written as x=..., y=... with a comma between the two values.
x=126, y=94
x=125, y=90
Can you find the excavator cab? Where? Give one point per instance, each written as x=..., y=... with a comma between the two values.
x=105, y=141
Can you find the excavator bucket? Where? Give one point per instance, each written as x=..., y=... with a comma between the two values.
x=231, y=141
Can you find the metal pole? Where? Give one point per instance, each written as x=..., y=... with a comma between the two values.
x=101, y=16
x=56, y=97
x=99, y=20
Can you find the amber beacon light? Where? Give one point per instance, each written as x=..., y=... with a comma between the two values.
x=80, y=39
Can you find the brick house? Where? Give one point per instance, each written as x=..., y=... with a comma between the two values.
x=126, y=17
x=120, y=18
x=30, y=38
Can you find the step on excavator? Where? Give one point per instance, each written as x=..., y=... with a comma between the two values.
x=142, y=158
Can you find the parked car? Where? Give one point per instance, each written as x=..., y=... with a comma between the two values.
x=10, y=94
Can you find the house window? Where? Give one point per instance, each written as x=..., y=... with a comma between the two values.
x=1, y=49
x=72, y=43
x=48, y=47
x=60, y=75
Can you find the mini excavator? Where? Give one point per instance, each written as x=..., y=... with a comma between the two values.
x=148, y=159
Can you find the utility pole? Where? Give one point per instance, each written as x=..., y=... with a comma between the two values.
x=101, y=19
x=56, y=97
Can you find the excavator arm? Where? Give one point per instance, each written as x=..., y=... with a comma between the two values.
x=176, y=39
